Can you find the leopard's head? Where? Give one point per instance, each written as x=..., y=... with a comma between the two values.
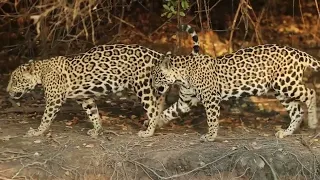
x=21, y=81
x=159, y=78
x=160, y=74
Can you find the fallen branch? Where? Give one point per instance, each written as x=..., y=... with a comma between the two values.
x=110, y=132
x=4, y=178
x=15, y=157
x=185, y=173
x=221, y=139
x=274, y=174
x=12, y=152
x=50, y=159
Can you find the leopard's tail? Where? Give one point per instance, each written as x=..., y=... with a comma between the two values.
x=194, y=35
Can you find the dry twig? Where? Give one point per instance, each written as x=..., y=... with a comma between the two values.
x=58, y=153
x=185, y=173
x=234, y=24
x=274, y=174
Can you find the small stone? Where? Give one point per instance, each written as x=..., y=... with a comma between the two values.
x=37, y=141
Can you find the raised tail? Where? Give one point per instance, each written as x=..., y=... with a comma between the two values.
x=194, y=35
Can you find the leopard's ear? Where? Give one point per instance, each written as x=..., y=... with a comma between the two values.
x=26, y=70
x=166, y=62
x=25, y=67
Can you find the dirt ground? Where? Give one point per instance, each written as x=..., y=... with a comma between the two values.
x=245, y=149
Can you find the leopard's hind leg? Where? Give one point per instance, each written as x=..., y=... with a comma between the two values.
x=290, y=99
x=91, y=109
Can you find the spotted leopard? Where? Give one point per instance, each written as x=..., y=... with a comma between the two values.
x=249, y=71
x=101, y=70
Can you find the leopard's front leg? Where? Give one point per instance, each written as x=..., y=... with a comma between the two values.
x=212, y=106
x=53, y=105
x=154, y=106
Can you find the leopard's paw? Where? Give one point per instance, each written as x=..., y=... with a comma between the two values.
x=33, y=132
x=93, y=133
x=145, y=123
x=144, y=134
x=207, y=138
x=280, y=134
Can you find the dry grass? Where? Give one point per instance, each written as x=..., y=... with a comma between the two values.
x=246, y=23
x=46, y=24
x=49, y=22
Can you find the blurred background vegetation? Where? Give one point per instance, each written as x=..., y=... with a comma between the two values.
x=34, y=29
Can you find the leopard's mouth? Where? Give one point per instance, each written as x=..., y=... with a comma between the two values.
x=16, y=95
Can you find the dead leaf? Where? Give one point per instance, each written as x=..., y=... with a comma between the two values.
x=189, y=121
x=67, y=173
x=37, y=141
x=74, y=121
x=69, y=123
x=122, y=126
x=89, y=146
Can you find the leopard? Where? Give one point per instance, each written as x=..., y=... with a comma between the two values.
x=101, y=70
x=251, y=71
